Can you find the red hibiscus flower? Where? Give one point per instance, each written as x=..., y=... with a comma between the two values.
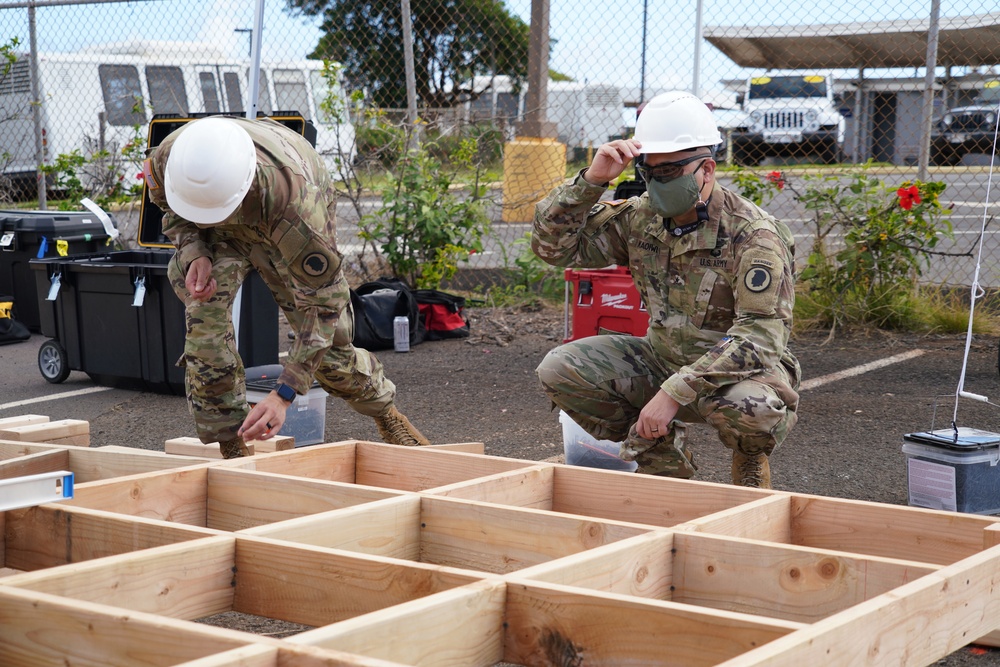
x=776, y=178
x=908, y=196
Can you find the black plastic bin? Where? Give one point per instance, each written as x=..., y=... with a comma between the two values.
x=27, y=235
x=98, y=326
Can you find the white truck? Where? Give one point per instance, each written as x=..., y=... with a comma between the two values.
x=95, y=98
x=791, y=117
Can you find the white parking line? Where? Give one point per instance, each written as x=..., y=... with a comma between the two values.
x=53, y=397
x=859, y=370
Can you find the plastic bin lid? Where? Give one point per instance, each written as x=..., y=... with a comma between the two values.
x=264, y=378
x=962, y=438
x=54, y=223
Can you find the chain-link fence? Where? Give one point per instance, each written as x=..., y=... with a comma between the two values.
x=806, y=90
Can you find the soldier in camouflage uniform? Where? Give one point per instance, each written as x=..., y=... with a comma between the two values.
x=242, y=194
x=716, y=275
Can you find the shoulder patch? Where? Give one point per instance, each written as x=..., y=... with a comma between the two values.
x=147, y=174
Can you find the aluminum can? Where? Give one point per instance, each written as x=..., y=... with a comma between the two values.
x=401, y=333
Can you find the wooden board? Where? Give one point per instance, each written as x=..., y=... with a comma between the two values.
x=445, y=556
x=59, y=432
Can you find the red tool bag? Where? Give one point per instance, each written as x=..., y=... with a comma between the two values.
x=442, y=314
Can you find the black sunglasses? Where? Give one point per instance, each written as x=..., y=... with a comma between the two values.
x=667, y=171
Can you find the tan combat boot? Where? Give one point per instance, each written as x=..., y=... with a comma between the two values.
x=754, y=471
x=232, y=449
x=397, y=429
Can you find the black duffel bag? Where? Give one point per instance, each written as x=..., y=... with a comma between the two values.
x=376, y=304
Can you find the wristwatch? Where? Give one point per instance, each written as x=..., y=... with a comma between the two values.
x=286, y=393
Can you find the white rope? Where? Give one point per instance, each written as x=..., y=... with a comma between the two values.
x=976, y=291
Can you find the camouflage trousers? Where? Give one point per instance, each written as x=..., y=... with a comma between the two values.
x=215, y=380
x=603, y=382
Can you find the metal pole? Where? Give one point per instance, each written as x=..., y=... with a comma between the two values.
x=642, y=77
x=695, y=82
x=255, y=42
x=411, y=77
x=36, y=110
x=858, y=116
x=927, y=120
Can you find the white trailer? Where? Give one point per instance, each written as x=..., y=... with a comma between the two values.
x=95, y=98
x=585, y=114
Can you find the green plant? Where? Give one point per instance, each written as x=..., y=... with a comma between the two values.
x=530, y=273
x=885, y=238
x=755, y=188
x=103, y=175
x=423, y=228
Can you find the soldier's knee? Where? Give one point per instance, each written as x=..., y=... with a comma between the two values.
x=752, y=421
x=551, y=371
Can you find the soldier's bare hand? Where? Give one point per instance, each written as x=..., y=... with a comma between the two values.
x=265, y=419
x=199, y=281
x=610, y=160
x=655, y=416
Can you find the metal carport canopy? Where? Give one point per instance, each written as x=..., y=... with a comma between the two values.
x=963, y=41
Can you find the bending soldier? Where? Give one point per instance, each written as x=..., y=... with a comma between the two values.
x=242, y=194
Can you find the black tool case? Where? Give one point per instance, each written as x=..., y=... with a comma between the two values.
x=28, y=235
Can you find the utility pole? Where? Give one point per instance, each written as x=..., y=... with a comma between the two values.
x=536, y=123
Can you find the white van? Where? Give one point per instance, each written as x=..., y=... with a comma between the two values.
x=95, y=98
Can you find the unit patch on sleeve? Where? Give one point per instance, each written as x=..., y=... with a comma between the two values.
x=147, y=174
x=757, y=279
x=760, y=274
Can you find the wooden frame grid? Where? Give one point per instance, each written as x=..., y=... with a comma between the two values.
x=408, y=556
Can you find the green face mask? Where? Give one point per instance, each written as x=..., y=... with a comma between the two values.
x=675, y=197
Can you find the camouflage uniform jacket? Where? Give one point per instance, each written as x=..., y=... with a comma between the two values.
x=719, y=298
x=286, y=227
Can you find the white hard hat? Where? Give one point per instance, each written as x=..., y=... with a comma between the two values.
x=209, y=171
x=675, y=121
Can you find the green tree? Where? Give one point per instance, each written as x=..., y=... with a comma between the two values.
x=453, y=40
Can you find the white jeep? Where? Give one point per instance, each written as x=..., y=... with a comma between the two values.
x=792, y=117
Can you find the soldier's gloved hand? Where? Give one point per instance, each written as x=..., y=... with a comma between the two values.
x=199, y=281
x=265, y=418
